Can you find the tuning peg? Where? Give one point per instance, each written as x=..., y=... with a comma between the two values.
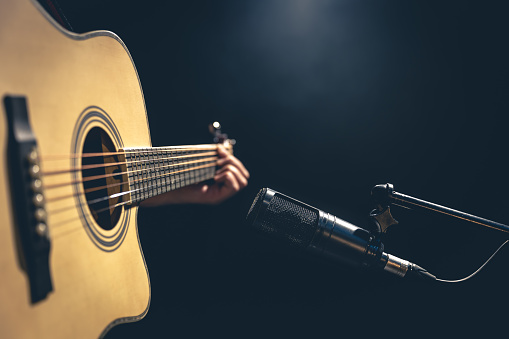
x=215, y=128
x=219, y=136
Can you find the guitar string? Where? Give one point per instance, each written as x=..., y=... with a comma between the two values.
x=55, y=157
x=152, y=176
x=97, y=200
x=113, y=174
x=93, y=166
x=122, y=193
x=173, y=181
x=97, y=188
x=133, y=181
x=60, y=224
x=103, y=176
x=129, y=201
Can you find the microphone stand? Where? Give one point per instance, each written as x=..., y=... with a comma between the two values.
x=384, y=195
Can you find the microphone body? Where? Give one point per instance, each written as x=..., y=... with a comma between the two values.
x=312, y=229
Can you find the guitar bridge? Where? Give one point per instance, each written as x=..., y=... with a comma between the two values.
x=26, y=189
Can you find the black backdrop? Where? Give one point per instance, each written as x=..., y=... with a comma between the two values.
x=325, y=99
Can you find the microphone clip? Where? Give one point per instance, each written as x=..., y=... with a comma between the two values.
x=383, y=219
x=381, y=215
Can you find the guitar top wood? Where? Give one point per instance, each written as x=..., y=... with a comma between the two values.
x=72, y=83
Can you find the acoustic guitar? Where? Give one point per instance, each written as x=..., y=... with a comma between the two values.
x=76, y=161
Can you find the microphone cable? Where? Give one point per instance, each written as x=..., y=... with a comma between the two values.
x=478, y=270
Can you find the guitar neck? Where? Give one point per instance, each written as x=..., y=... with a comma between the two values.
x=157, y=170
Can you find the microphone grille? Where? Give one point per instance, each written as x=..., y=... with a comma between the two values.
x=255, y=206
x=283, y=217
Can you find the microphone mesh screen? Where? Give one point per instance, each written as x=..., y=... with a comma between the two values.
x=287, y=219
x=255, y=206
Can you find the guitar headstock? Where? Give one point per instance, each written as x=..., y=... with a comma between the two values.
x=220, y=137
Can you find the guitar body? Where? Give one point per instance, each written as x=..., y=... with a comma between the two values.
x=72, y=83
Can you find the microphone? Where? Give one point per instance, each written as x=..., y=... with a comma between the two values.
x=312, y=229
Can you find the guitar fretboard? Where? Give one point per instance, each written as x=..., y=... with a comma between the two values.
x=156, y=170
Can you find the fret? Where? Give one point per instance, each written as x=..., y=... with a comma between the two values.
x=191, y=166
x=212, y=170
x=133, y=166
x=171, y=170
x=136, y=176
x=176, y=169
x=206, y=171
x=130, y=182
x=187, y=172
x=162, y=171
x=139, y=173
x=179, y=169
x=186, y=168
x=202, y=175
x=196, y=172
x=156, y=190
x=168, y=169
x=191, y=172
x=131, y=163
x=194, y=164
x=153, y=171
x=148, y=174
x=139, y=176
x=148, y=169
x=132, y=175
x=144, y=172
x=185, y=165
x=162, y=177
x=203, y=171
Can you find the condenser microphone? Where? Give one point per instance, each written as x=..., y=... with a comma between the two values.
x=312, y=229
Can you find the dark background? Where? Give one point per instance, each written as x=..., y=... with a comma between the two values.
x=326, y=99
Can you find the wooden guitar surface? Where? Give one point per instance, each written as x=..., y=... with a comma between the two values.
x=65, y=77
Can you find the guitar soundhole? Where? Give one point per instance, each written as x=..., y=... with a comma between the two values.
x=102, y=178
